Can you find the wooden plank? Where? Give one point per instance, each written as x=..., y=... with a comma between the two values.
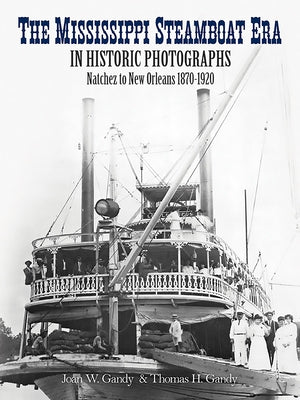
x=282, y=383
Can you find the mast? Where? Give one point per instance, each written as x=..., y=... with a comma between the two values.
x=246, y=226
x=87, y=184
x=201, y=143
x=113, y=258
x=206, y=188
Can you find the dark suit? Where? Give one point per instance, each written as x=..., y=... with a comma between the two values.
x=270, y=339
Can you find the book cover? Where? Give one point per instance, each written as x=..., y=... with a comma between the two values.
x=143, y=65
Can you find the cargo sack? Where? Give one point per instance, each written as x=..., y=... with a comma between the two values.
x=165, y=338
x=150, y=338
x=145, y=354
x=162, y=346
x=146, y=345
x=173, y=348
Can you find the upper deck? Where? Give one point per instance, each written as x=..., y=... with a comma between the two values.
x=216, y=281
x=155, y=286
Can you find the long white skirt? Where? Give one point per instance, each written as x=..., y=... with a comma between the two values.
x=258, y=356
x=286, y=360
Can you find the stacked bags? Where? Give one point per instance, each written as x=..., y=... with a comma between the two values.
x=71, y=342
x=155, y=339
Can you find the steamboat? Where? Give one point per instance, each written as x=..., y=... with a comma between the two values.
x=122, y=283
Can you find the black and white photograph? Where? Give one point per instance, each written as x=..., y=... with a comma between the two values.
x=150, y=202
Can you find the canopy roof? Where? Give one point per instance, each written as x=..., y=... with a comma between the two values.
x=157, y=192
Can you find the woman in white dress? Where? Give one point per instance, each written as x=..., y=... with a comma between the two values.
x=258, y=355
x=287, y=347
x=279, y=335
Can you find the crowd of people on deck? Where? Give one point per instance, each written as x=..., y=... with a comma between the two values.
x=41, y=269
x=265, y=344
x=237, y=276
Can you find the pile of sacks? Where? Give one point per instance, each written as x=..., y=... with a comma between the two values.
x=71, y=342
x=155, y=339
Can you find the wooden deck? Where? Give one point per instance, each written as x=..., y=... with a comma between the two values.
x=277, y=382
x=170, y=376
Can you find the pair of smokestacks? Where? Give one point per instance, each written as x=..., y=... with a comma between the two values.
x=87, y=197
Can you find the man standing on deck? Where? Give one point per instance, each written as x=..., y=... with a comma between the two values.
x=238, y=336
x=176, y=331
x=273, y=326
x=28, y=273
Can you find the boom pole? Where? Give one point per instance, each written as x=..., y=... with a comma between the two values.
x=202, y=142
x=206, y=187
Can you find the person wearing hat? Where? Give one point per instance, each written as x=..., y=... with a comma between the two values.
x=258, y=355
x=176, y=331
x=28, y=273
x=238, y=336
x=287, y=346
x=279, y=349
x=273, y=326
x=38, y=269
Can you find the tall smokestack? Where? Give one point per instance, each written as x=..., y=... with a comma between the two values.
x=87, y=186
x=206, y=188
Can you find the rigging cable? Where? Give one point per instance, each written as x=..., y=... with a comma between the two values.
x=218, y=129
x=191, y=145
x=66, y=202
x=257, y=181
x=284, y=254
x=290, y=145
x=67, y=215
x=151, y=169
x=120, y=183
x=256, y=264
x=128, y=159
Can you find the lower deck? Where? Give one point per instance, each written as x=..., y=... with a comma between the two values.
x=84, y=377
x=207, y=322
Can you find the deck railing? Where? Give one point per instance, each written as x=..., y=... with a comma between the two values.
x=156, y=283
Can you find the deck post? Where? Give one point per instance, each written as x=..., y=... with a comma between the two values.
x=138, y=327
x=178, y=245
x=220, y=262
x=207, y=258
x=24, y=335
x=54, y=253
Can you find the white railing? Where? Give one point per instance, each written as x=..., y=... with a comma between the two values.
x=156, y=283
x=81, y=285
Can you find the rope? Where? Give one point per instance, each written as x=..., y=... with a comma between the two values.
x=283, y=255
x=258, y=258
x=66, y=202
x=67, y=216
x=120, y=183
x=257, y=181
x=128, y=159
x=217, y=131
x=290, y=150
x=152, y=170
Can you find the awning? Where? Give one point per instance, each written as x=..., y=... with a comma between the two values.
x=187, y=314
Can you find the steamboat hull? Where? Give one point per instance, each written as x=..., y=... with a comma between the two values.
x=87, y=377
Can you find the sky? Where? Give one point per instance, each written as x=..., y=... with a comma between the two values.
x=41, y=121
